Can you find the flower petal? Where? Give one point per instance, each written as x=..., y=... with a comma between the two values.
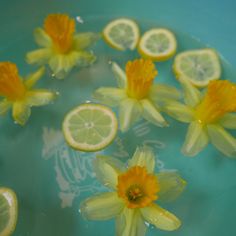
x=107, y=170
x=222, y=140
x=160, y=92
x=110, y=96
x=39, y=56
x=85, y=40
x=85, y=58
x=151, y=114
x=5, y=105
x=40, y=97
x=160, y=217
x=178, y=111
x=143, y=157
x=196, y=139
x=228, y=121
x=21, y=112
x=58, y=63
x=32, y=79
x=171, y=185
x=41, y=38
x=119, y=75
x=129, y=112
x=192, y=95
x=130, y=223
x=102, y=207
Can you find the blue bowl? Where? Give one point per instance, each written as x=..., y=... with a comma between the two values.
x=51, y=180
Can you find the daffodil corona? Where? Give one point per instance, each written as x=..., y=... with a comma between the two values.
x=137, y=96
x=62, y=48
x=18, y=93
x=134, y=191
x=208, y=113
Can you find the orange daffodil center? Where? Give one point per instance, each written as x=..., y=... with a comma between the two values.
x=137, y=188
x=61, y=29
x=11, y=85
x=140, y=75
x=220, y=99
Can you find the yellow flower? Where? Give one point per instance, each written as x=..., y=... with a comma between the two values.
x=18, y=94
x=137, y=95
x=134, y=190
x=208, y=113
x=62, y=48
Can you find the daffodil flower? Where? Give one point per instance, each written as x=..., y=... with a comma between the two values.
x=62, y=48
x=208, y=113
x=137, y=96
x=18, y=93
x=133, y=192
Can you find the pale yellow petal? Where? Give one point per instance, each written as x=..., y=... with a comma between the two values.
x=119, y=75
x=40, y=97
x=107, y=170
x=192, y=96
x=195, y=140
x=57, y=64
x=160, y=92
x=5, y=105
x=21, y=112
x=151, y=114
x=82, y=41
x=41, y=38
x=85, y=58
x=129, y=112
x=228, y=121
x=110, y=96
x=171, y=185
x=39, y=56
x=102, y=207
x=33, y=78
x=145, y=157
x=222, y=140
x=160, y=217
x=130, y=223
x=179, y=111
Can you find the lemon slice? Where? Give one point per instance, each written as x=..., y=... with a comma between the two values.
x=8, y=211
x=90, y=127
x=197, y=66
x=157, y=44
x=122, y=34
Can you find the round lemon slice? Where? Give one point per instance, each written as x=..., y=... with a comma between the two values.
x=8, y=211
x=122, y=34
x=158, y=44
x=198, y=66
x=90, y=127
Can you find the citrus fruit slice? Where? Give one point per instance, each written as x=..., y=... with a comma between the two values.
x=122, y=34
x=8, y=211
x=158, y=44
x=197, y=66
x=90, y=127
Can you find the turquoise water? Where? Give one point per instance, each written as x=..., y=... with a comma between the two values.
x=51, y=179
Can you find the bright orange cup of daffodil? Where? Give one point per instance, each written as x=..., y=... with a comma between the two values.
x=137, y=95
x=62, y=48
x=209, y=113
x=18, y=94
x=133, y=195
